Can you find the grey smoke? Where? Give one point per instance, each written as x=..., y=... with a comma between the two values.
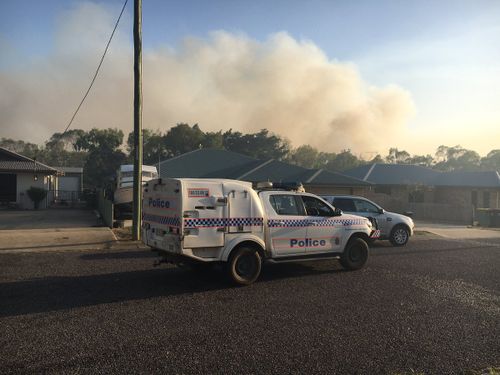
x=224, y=81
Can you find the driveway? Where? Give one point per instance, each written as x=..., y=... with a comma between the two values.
x=457, y=231
x=52, y=230
x=47, y=219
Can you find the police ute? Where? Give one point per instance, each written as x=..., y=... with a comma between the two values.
x=200, y=222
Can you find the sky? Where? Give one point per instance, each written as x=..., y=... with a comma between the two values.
x=364, y=75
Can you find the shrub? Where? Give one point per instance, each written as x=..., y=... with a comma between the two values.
x=37, y=195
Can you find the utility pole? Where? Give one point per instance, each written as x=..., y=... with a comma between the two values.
x=137, y=199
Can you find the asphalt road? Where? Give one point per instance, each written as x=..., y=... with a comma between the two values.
x=431, y=307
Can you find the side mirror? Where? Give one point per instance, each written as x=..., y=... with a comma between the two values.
x=381, y=210
x=338, y=211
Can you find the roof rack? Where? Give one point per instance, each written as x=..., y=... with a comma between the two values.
x=288, y=186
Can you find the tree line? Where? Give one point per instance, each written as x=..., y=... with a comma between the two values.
x=101, y=151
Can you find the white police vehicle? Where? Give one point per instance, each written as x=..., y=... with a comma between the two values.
x=202, y=221
x=394, y=227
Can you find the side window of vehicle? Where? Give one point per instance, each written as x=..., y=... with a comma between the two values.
x=316, y=207
x=365, y=206
x=345, y=204
x=286, y=205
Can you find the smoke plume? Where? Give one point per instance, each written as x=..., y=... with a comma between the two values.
x=225, y=81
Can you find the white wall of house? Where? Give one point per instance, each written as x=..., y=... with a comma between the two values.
x=24, y=182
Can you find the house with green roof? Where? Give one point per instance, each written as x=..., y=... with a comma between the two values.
x=412, y=187
x=211, y=163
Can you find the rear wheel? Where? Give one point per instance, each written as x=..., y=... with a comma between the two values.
x=399, y=236
x=244, y=266
x=355, y=254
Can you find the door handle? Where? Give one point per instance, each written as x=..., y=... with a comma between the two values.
x=313, y=223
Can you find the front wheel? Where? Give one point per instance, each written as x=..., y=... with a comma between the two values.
x=355, y=254
x=244, y=266
x=399, y=236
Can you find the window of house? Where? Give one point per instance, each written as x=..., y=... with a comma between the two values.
x=486, y=199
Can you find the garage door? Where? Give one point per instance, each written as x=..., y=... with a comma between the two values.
x=8, y=187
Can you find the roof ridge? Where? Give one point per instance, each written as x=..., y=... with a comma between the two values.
x=16, y=154
x=369, y=171
x=255, y=169
x=28, y=159
x=207, y=149
x=314, y=175
x=178, y=156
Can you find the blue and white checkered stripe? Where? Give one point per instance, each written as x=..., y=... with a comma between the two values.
x=222, y=222
x=165, y=220
x=273, y=223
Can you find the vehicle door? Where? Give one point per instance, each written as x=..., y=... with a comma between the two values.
x=324, y=230
x=287, y=227
x=368, y=209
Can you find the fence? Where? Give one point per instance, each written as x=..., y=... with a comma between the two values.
x=105, y=207
x=64, y=198
x=440, y=212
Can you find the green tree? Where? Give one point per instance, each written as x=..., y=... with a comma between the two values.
x=377, y=159
x=325, y=158
x=441, y=154
x=57, y=152
x=68, y=141
x=457, y=157
x=104, y=155
x=183, y=138
x=61, y=150
x=27, y=149
x=422, y=160
x=153, y=147
x=213, y=140
x=304, y=156
x=397, y=156
x=260, y=145
x=491, y=161
x=343, y=161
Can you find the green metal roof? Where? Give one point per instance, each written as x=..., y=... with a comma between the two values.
x=408, y=174
x=209, y=163
x=202, y=163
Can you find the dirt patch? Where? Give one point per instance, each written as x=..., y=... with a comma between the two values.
x=123, y=234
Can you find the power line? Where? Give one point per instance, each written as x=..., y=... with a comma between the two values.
x=97, y=70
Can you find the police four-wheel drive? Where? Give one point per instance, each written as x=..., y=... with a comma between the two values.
x=198, y=222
